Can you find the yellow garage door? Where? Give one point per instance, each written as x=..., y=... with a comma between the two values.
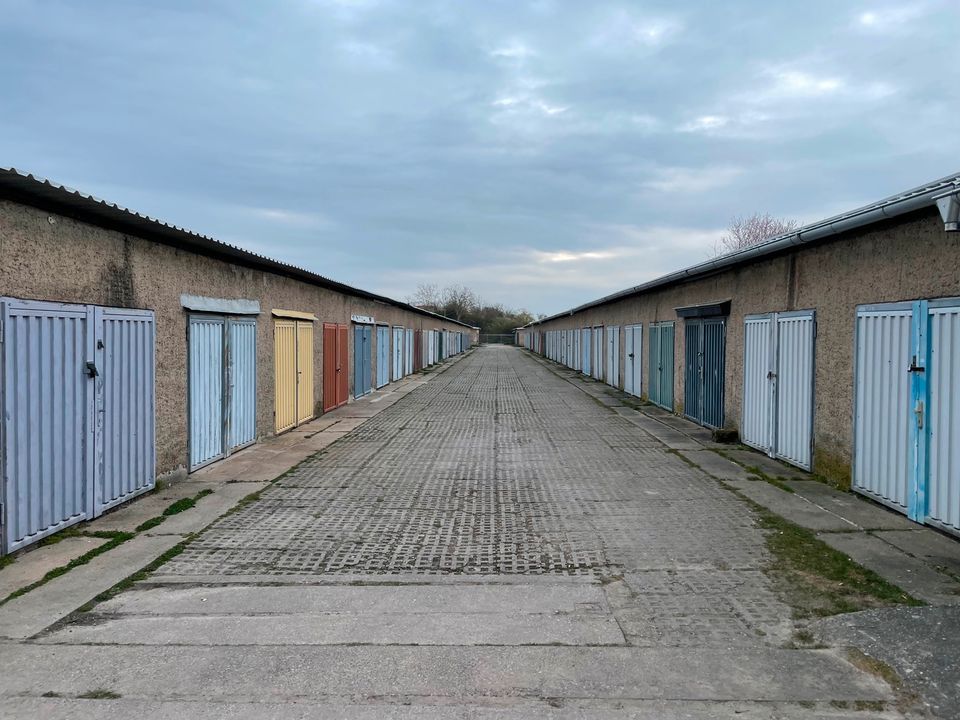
x=285, y=360
x=304, y=371
x=293, y=358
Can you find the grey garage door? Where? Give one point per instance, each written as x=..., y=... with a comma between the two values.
x=78, y=414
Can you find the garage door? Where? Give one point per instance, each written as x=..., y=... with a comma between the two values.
x=334, y=366
x=222, y=386
x=907, y=409
x=384, y=359
x=293, y=369
x=633, y=359
x=778, y=375
x=362, y=359
x=77, y=392
x=660, y=385
x=704, y=355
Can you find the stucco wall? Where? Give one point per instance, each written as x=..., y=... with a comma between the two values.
x=909, y=258
x=51, y=257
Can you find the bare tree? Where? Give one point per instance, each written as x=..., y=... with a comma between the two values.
x=427, y=297
x=457, y=301
x=744, y=232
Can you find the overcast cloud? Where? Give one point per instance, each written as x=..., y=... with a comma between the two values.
x=543, y=153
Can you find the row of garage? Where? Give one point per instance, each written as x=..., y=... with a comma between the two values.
x=131, y=350
x=835, y=348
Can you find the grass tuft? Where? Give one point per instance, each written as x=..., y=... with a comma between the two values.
x=823, y=581
x=118, y=539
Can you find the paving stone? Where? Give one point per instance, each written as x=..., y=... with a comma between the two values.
x=793, y=507
x=767, y=465
x=933, y=547
x=864, y=513
x=31, y=566
x=308, y=673
x=909, y=573
x=28, y=614
x=716, y=465
x=437, y=628
x=480, y=472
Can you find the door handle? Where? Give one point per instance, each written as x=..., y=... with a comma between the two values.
x=918, y=411
x=91, y=369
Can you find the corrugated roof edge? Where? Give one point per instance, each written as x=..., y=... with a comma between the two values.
x=40, y=192
x=899, y=204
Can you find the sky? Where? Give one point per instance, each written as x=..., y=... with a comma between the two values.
x=543, y=153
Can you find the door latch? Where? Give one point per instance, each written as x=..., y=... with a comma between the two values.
x=91, y=369
x=918, y=411
x=913, y=365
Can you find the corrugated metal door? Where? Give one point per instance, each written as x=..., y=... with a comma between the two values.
x=613, y=355
x=285, y=374
x=304, y=371
x=126, y=465
x=409, y=352
x=693, y=370
x=703, y=376
x=633, y=360
x=48, y=474
x=794, y=387
x=417, y=350
x=882, y=417
x=335, y=364
x=362, y=360
x=77, y=394
x=756, y=427
x=660, y=386
x=398, y=353
x=653, y=384
x=598, y=360
x=343, y=363
x=222, y=386
x=714, y=361
x=586, y=344
x=383, y=355
x=942, y=489
x=241, y=382
x=206, y=389
x=329, y=367
x=778, y=374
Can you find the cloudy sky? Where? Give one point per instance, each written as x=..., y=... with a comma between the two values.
x=543, y=153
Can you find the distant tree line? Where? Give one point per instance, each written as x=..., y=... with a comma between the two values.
x=461, y=303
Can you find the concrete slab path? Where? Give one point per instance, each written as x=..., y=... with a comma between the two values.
x=493, y=544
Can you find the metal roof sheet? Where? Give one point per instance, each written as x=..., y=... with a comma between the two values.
x=907, y=201
x=36, y=191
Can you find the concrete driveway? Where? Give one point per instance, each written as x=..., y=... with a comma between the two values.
x=497, y=544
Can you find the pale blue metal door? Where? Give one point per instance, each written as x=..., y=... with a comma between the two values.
x=633, y=359
x=126, y=462
x=408, y=353
x=206, y=389
x=398, y=353
x=585, y=345
x=383, y=355
x=76, y=393
x=47, y=383
x=241, y=382
x=222, y=386
x=362, y=359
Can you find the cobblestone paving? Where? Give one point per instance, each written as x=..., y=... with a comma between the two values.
x=500, y=467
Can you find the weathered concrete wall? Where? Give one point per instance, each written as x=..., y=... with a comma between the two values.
x=56, y=258
x=908, y=258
